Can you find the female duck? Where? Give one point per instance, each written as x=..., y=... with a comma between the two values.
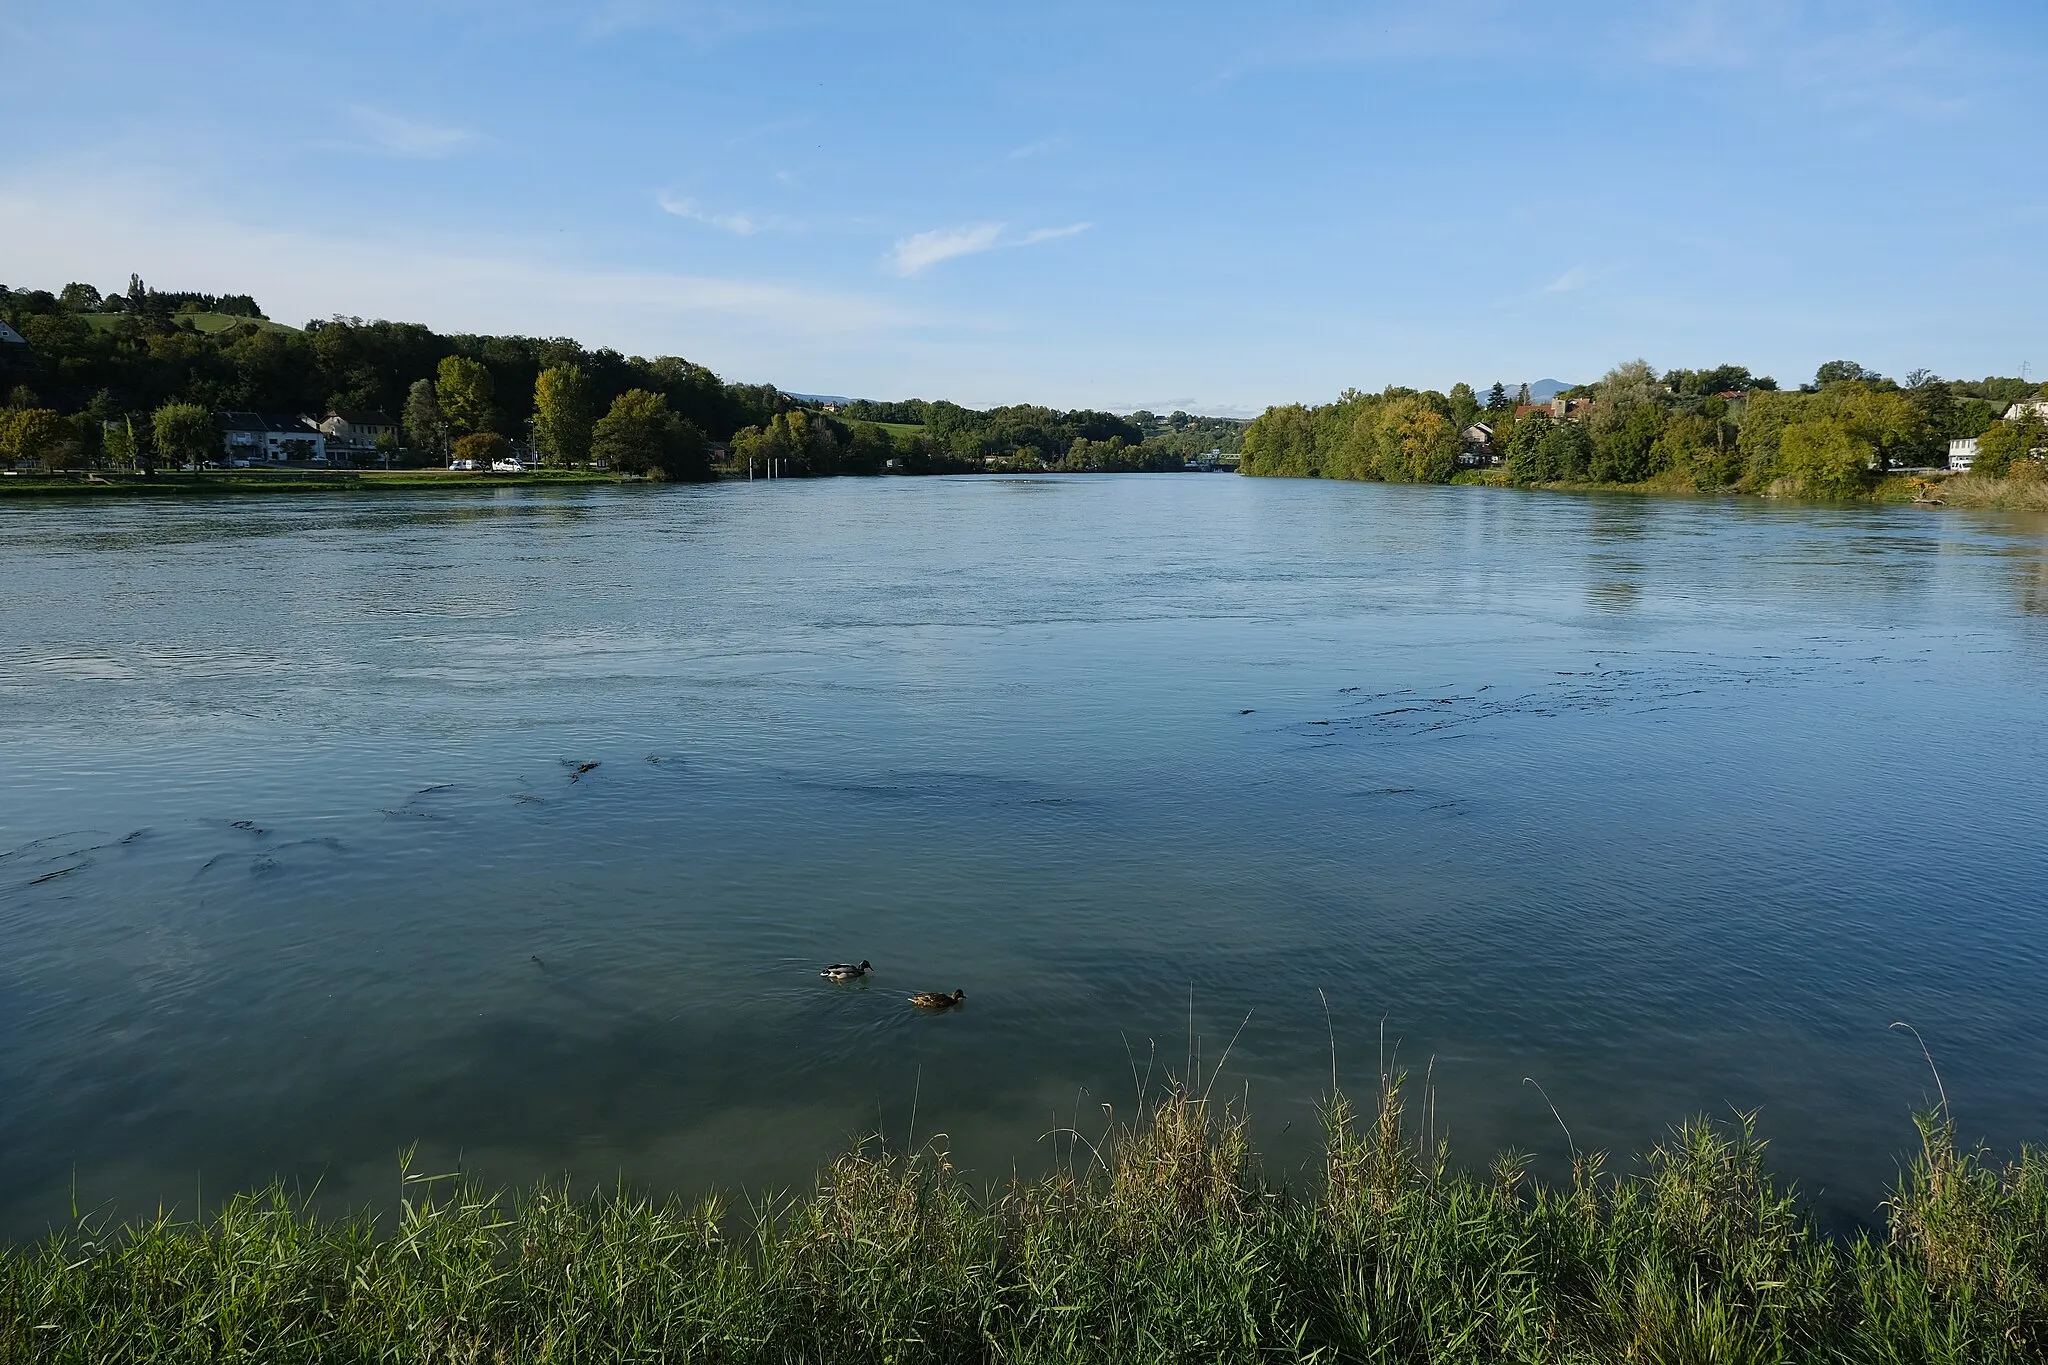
x=937, y=1000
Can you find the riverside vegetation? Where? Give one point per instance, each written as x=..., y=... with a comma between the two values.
x=1723, y=429
x=130, y=380
x=1158, y=1241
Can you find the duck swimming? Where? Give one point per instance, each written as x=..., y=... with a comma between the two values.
x=937, y=1000
x=846, y=971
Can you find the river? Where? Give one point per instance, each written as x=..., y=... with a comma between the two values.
x=1672, y=806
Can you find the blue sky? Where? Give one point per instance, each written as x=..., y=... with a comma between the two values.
x=1193, y=205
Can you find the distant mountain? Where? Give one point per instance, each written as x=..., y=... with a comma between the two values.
x=1543, y=390
x=820, y=398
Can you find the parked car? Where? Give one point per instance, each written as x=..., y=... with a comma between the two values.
x=509, y=465
x=462, y=466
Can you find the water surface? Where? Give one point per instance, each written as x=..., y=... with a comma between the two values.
x=1671, y=805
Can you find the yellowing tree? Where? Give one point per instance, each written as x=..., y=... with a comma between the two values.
x=564, y=411
x=463, y=387
x=31, y=434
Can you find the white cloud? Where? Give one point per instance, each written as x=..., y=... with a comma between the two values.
x=1042, y=147
x=1037, y=235
x=922, y=250
x=1575, y=278
x=60, y=228
x=742, y=224
x=408, y=137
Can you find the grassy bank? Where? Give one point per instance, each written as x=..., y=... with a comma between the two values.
x=1160, y=1242
x=2026, y=492
x=262, y=481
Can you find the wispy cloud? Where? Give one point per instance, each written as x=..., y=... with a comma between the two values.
x=1875, y=57
x=1037, y=235
x=410, y=137
x=701, y=21
x=58, y=225
x=1045, y=146
x=922, y=250
x=1574, y=279
x=740, y=224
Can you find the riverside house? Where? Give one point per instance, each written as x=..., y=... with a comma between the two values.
x=271, y=438
x=353, y=436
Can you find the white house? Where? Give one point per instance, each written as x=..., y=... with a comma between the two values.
x=1477, y=446
x=1962, y=452
x=356, y=433
x=271, y=438
x=2037, y=407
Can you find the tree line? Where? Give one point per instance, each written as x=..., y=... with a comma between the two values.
x=134, y=378
x=1715, y=429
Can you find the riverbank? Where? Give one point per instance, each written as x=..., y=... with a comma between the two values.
x=1975, y=492
x=294, y=481
x=1158, y=1241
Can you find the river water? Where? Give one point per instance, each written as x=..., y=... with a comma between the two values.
x=1673, y=806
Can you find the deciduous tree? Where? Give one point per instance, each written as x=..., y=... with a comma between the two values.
x=641, y=436
x=564, y=412
x=184, y=433
x=425, y=424
x=464, y=389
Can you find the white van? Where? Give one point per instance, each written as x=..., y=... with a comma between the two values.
x=462, y=466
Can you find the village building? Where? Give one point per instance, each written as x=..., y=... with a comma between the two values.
x=1477, y=450
x=357, y=434
x=271, y=438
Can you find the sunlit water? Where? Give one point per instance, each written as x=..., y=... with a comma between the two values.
x=1673, y=806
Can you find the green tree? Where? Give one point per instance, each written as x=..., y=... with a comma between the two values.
x=1541, y=450
x=32, y=435
x=2006, y=445
x=1827, y=456
x=1497, y=397
x=1417, y=442
x=564, y=412
x=184, y=433
x=464, y=389
x=1280, y=442
x=481, y=448
x=1464, y=405
x=425, y=425
x=1843, y=372
x=119, y=443
x=1625, y=441
x=641, y=436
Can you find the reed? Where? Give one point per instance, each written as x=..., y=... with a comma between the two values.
x=1160, y=1241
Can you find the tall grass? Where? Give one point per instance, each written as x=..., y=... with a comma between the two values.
x=1163, y=1244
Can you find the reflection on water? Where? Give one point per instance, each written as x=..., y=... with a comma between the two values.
x=1672, y=804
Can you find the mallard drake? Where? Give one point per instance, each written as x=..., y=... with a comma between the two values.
x=846, y=971
x=937, y=1000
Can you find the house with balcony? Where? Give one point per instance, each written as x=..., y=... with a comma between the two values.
x=355, y=435
x=271, y=438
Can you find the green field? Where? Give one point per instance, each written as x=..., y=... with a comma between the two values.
x=201, y=322
x=901, y=430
